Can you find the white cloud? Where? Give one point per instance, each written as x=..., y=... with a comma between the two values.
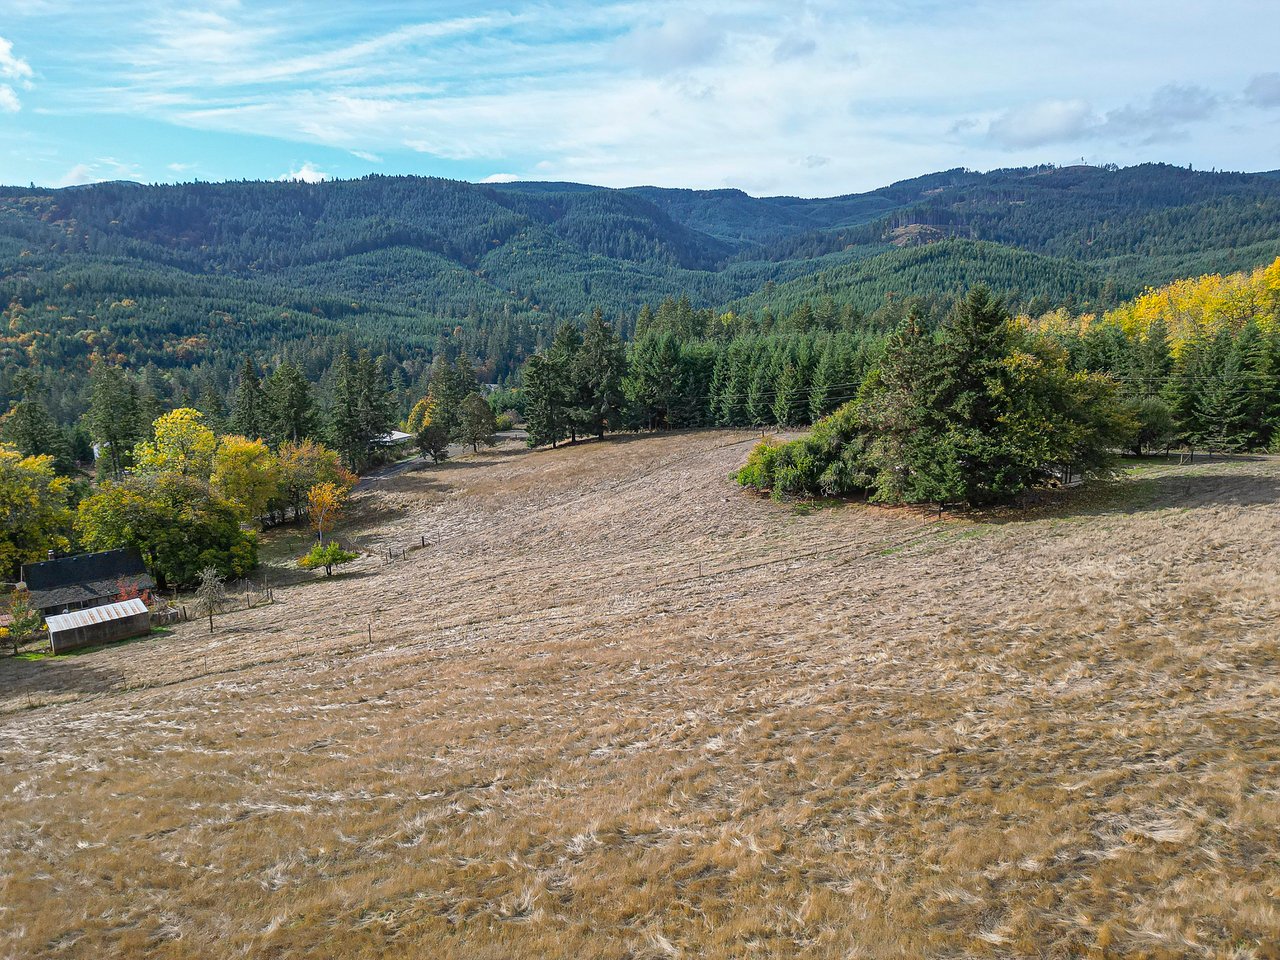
x=81, y=173
x=307, y=173
x=17, y=71
x=13, y=67
x=693, y=93
x=677, y=43
x=1164, y=116
x=500, y=178
x=96, y=171
x=1049, y=121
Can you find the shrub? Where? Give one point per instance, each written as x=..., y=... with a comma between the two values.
x=328, y=555
x=828, y=461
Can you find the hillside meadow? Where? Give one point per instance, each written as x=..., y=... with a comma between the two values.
x=610, y=705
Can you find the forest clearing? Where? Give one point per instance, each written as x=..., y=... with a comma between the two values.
x=610, y=705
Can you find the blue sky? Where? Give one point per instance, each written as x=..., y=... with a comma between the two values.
x=807, y=98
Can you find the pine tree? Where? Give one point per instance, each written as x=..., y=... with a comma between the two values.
x=566, y=347
x=760, y=390
x=897, y=405
x=30, y=427
x=790, y=405
x=601, y=364
x=249, y=413
x=972, y=396
x=1222, y=405
x=732, y=410
x=445, y=388
x=826, y=383
x=361, y=409
x=211, y=405
x=291, y=415
x=1183, y=389
x=655, y=383
x=113, y=418
x=544, y=405
x=1152, y=361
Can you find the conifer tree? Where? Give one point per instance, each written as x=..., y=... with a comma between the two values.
x=249, y=412
x=113, y=418
x=601, y=364
x=544, y=407
x=29, y=427
x=290, y=410
x=654, y=385
x=790, y=404
x=759, y=407
x=564, y=353
x=896, y=405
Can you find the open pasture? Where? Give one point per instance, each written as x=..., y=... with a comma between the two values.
x=617, y=707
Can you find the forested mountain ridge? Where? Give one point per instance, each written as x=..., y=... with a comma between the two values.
x=190, y=278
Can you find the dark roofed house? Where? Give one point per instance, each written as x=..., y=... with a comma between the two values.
x=85, y=580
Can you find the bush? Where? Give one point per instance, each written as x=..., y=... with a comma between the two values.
x=829, y=461
x=328, y=555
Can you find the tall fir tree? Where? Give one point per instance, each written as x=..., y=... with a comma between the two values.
x=601, y=365
x=544, y=412
x=249, y=411
x=113, y=419
x=290, y=409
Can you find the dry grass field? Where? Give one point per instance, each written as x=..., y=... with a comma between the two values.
x=617, y=707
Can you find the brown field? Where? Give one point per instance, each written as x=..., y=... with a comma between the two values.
x=619, y=708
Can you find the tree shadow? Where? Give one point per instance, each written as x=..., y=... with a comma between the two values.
x=26, y=683
x=1182, y=487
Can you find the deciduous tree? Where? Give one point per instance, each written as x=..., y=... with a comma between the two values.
x=35, y=511
x=181, y=444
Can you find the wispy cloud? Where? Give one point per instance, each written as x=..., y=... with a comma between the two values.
x=96, y=171
x=1164, y=116
x=1264, y=90
x=818, y=96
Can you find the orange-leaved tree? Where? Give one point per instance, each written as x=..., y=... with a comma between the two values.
x=324, y=505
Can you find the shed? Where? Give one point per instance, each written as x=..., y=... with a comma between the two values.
x=85, y=580
x=95, y=625
x=393, y=439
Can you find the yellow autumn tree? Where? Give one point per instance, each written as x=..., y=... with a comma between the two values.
x=35, y=511
x=421, y=414
x=1205, y=305
x=181, y=444
x=246, y=473
x=325, y=502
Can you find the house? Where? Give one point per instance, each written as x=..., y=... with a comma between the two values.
x=101, y=624
x=393, y=439
x=85, y=580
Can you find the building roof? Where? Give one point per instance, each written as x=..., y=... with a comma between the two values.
x=90, y=615
x=392, y=438
x=85, y=577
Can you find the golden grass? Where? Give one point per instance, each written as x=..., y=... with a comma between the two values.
x=619, y=708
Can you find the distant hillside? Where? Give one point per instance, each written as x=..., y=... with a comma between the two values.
x=201, y=274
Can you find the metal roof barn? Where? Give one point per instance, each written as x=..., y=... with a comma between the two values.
x=95, y=625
